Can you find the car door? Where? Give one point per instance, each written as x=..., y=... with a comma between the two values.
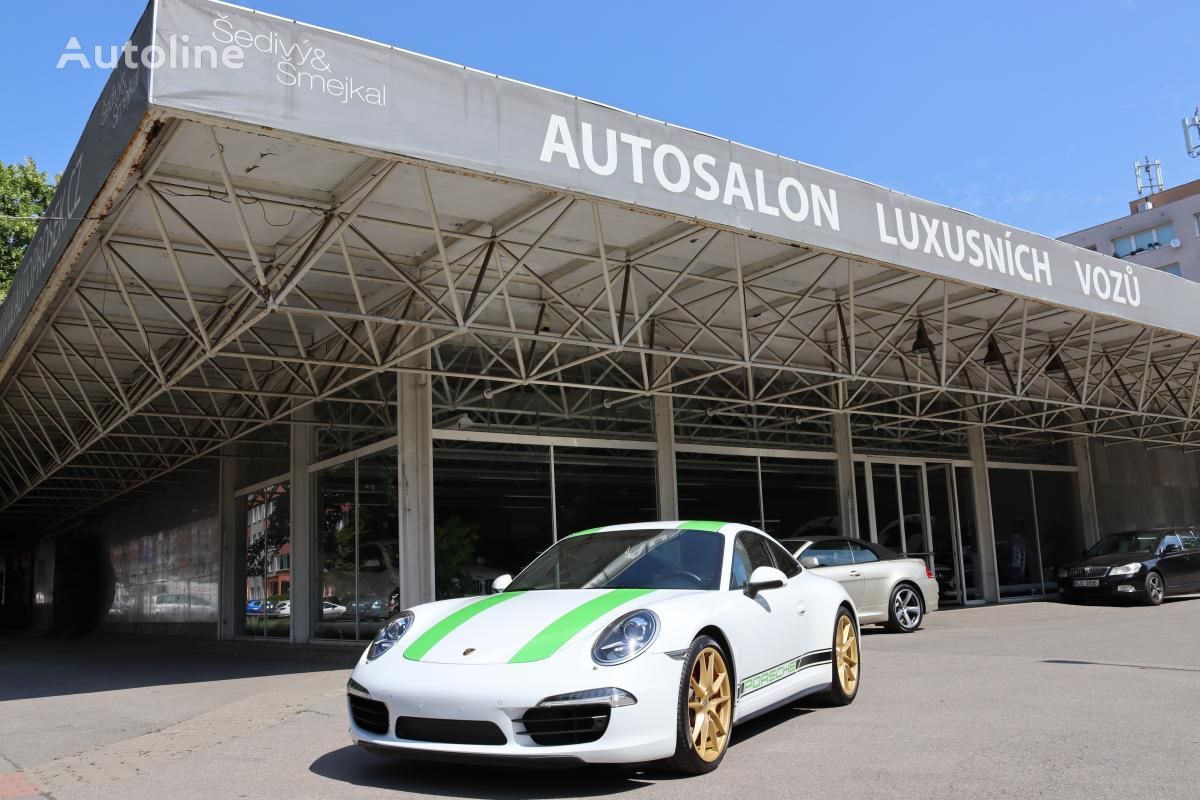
x=1191, y=548
x=875, y=576
x=768, y=626
x=834, y=561
x=1173, y=562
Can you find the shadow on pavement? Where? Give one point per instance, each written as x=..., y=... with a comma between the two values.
x=33, y=668
x=352, y=764
x=356, y=766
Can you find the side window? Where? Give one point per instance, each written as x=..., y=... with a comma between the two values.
x=739, y=570
x=862, y=554
x=1190, y=541
x=830, y=554
x=750, y=551
x=1168, y=540
x=783, y=559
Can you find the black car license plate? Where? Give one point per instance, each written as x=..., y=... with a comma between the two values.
x=1090, y=583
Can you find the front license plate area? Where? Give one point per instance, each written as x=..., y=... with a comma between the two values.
x=1087, y=584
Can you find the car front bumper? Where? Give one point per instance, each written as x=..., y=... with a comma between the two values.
x=1107, y=588
x=502, y=693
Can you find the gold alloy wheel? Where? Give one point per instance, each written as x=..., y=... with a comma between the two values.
x=710, y=704
x=846, y=655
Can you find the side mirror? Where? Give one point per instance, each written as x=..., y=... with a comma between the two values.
x=765, y=578
x=808, y=562
x=1171, y=548
x=501, y=583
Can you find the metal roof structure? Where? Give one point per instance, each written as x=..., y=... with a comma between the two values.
x=231, y=244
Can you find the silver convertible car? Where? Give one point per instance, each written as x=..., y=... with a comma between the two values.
x=887, y=588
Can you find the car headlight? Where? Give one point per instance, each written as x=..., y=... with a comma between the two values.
x=389, y=634
x=1126, y=569
x=625, y=638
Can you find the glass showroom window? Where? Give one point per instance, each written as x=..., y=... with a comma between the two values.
x=492, y=512
x=602, y=487
x=1018, y=565
x=358, y=546
x=1037, y=528
x=1149, y=239
x=719, y=487
x=1058, y=524
x=265, y=516
x=799, y=497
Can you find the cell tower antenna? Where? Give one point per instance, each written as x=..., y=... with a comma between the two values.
x=1191, y=134
x=1149, y=176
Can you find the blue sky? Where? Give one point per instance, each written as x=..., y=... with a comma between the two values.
x=1031, y=113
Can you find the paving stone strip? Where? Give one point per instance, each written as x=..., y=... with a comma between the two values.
x=129, y=758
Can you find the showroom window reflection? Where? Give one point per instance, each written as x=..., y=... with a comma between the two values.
x=358, y=545
x=266, y=518
x=498, y=505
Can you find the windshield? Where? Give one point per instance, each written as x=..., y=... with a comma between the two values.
x=1132, y=542
x=634, y=559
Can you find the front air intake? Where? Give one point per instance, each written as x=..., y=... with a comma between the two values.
x=370, y=715
x=560, y=725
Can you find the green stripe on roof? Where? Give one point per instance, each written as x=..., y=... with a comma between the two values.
x=702, y=525
x=429, y=639
x=589, y=530
x=562, y=630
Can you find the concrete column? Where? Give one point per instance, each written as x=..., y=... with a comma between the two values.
x=1085, y=491
x=664, y=458
x=414, y=433
x=846, y=492
x=231, y=583
x=982, y=493
x=305, y=590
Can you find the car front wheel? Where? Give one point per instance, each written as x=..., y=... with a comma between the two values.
x=1155, y=591
x=705, y=709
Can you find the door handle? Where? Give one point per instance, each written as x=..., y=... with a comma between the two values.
x=855, y=573
x=801, y=609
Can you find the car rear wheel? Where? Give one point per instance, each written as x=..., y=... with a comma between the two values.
x=705, y=709
x=905, y=610
x=847, y=662
x=1155, y=591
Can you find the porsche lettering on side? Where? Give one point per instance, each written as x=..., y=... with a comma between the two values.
x=624, y=644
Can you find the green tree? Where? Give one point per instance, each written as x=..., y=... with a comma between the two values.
x=25, y=193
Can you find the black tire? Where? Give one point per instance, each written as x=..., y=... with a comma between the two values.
x=906, y=609
x=686, y=759
x=839, y=694
x=1156, y=590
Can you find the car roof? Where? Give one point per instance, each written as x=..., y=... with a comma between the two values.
x=884, y=552
x=715, y=526
x=1155, y=531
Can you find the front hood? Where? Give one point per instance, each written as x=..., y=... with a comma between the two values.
x=1111, y=560
x=517, y=627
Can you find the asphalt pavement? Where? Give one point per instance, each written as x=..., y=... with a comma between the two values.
x=1017, y=701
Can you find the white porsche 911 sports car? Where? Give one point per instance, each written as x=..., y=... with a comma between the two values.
x=624, y=644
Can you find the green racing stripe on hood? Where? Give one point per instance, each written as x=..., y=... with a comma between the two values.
x=551, y=638
x=429, y=639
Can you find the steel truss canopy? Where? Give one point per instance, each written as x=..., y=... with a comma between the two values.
x=233, y=243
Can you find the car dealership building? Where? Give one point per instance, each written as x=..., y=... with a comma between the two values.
x=313, y=318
